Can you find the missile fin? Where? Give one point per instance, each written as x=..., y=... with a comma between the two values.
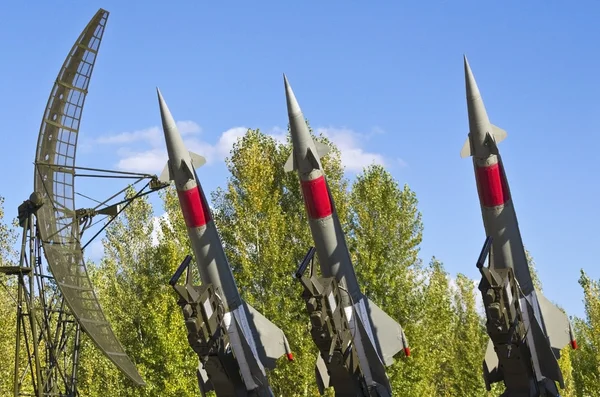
x=546, y=358
x=466, y=149
x=557, y=324
x=321, y=374
x=491, y=371
x=189, y=171
x=272, y=342
x=166, y=176
x=314, y=161
x=252, y=360
x=322, y=148
x=197, y=160
x=499, y=134
x=291, y=164
x=491, y=143
x=389, y=336
x=204, y=383
x=377, y=368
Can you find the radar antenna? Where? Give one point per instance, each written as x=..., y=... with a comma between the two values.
x=55, y=303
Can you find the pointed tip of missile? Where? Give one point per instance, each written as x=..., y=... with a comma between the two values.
x=471, y=85
x=292, y=103
x=165, y=113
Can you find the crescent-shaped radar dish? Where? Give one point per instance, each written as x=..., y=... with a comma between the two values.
x=54, y=181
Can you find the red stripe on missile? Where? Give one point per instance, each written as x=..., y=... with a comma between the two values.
x=316, y=198
x=407, y=351
x=493, y=190
x=194, y=208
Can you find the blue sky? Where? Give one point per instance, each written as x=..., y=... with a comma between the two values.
x=384, y=78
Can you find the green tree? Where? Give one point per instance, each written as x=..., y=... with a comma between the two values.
x=471, y=341
x=8, y=306
x=434, y=343
x=586, y=359
x=132, y=284
x=385, y=232
x=265, y=233
x=537, y=284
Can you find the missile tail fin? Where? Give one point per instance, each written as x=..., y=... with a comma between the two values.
x=166, y=176
x=388, y=334
x=491, y=370
x=375, y=364
x=271, y=341
x=546, y=358
x=291, y=164
x=204, y=384
x=558, y=326
x=499, y=134
x=322, y=148
x=321, y=375
x=197, y=160
x=466, y=149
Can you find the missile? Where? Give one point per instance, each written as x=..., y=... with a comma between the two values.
x=374, y=336
x=526, y=330
x=218, y=319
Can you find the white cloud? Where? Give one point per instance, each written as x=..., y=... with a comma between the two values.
x=154, y=158
x=354, y=157
x=153, y=135
x=227, y=139
x=279, y=134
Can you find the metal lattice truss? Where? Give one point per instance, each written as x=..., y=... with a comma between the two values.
x=54, y=179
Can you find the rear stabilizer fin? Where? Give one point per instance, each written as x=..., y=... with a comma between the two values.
x=291, y=164
x=389, y=336
x=321, y=374
x=558, y=327
x=204, y=383
x=466, y=149
x=271, y=341
x=546, y=357
x=165, y=175
x=491, y=370
x=499, y=134
x=197, y=160
x=375, y=364
x=322, y=149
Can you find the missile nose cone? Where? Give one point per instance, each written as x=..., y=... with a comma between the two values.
x=165, y=114
x=471, y=85
x=292, y=104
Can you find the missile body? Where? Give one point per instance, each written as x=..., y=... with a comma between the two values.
x=375, y=337
x=535, y=328
x=251, y=341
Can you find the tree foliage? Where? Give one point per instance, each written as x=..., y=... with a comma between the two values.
x=8, y=307
x=264, y=229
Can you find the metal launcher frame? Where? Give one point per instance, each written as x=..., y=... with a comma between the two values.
x=203, y=314
x=331, y=333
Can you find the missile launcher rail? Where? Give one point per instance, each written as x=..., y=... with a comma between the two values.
x=331, y=333
x=203, y=313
